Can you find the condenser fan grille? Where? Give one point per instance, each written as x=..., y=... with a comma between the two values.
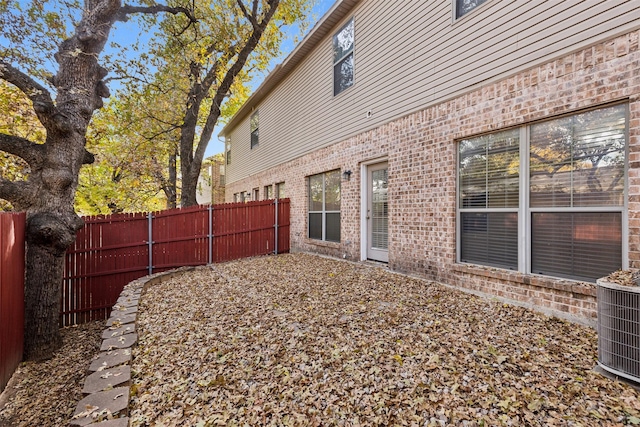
x=619, y=330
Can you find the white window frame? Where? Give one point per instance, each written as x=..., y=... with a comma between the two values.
x=339, y=60
x=524, y=209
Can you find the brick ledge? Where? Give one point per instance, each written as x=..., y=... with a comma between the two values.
x=566, y=285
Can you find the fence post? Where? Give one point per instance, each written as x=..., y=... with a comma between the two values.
x=210, y=234
x=276, y=227
x=150, y=242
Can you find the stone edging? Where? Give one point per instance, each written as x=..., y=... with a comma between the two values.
x=106, y=387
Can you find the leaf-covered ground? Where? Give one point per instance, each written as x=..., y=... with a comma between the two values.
x=305, y=340
x=46, y=393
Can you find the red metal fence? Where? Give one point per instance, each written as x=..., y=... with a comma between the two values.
x=11, y=293
x=110, y=251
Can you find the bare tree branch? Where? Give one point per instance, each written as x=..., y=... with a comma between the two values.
x=126, y=10
x=245, y=12
x=227, y=81
x=31, y=152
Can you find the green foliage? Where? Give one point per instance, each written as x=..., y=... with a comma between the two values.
x=144, y=127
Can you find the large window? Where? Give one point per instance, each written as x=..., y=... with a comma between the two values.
x=547, y=198
x=465, y=6
x=254, y=124
x=343, y=42
x=324, y=206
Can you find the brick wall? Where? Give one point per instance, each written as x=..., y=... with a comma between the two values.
x=421, y=151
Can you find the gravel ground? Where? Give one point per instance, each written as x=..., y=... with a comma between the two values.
x=304, y=340
x=46, y=393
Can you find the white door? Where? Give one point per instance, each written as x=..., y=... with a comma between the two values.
x=377, y=212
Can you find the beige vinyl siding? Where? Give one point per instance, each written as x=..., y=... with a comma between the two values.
x=412, y=54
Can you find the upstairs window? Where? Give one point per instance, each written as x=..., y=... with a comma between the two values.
x=465, y=6
x=254, y=129
x=228, y=157
x=343, y=42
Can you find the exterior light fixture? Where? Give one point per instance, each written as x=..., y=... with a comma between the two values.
x=346, y=175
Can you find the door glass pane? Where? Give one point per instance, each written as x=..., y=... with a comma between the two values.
x=379, y=210
x=576, y=245
x=579, y=160
x=490, y=239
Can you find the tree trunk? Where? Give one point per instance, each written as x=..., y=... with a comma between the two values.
x=48, y=236
x=172, y=185
x=189, y=188
x=43, y=302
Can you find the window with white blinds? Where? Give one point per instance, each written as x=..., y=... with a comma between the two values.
x=563, y=206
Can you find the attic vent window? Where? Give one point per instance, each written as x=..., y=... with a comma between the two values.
x=343, y=42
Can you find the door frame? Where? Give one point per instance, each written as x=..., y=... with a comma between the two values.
x=364, y=194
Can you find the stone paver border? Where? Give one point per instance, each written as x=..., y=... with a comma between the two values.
x=108, y=380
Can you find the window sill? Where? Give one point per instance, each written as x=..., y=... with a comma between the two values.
x=566, y=285
x=323, y=243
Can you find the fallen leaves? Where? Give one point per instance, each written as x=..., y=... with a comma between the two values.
x=46, y=393
x=304, y=340
x=624, y=277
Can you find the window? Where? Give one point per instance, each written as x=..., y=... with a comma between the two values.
x=343, y=42
x=228, y=157
x=268, y=192
x=236, y=198
x=254, y=129
x=324, y=206
x=465, y=6
x=547, y=198
x=256, y=194
x=280, y=190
